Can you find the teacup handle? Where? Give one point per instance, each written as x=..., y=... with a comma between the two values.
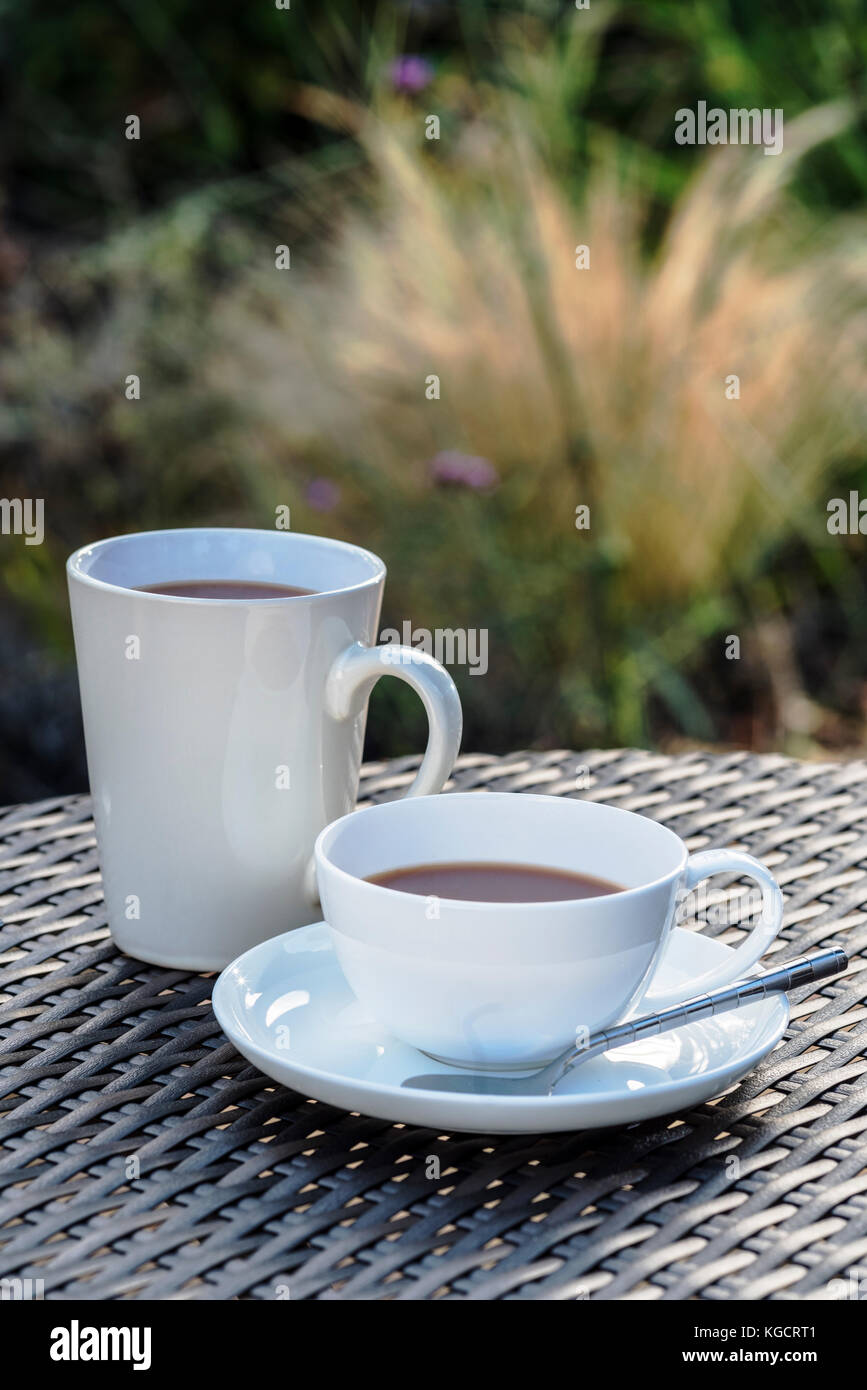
x=355, y=673
x=702, y=866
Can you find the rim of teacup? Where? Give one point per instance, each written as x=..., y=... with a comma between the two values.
x=405, y=804
x=75, y=570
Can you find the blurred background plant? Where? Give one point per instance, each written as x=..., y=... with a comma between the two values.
x=559, y=387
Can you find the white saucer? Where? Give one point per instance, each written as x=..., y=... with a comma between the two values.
x=286, y=1006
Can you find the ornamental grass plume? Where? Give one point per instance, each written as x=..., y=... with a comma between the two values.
x=696, y=396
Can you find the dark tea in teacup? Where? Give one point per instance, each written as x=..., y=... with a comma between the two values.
x=495, y=883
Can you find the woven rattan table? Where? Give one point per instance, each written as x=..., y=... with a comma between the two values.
x=142, y=1157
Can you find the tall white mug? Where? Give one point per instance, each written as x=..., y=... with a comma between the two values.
x=223, y=734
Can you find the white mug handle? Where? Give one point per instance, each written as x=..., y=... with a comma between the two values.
x=348, y=685
x=355, y=673
x=741, y=961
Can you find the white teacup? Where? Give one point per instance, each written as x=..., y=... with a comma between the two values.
x=510, y=985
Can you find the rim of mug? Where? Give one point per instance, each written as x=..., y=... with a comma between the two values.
x=509, y=909
x=75, y=572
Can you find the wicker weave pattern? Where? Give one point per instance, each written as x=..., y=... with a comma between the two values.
x=140, y=1156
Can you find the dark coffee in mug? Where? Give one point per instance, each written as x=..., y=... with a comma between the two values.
x=222, y=588
x=495, y=883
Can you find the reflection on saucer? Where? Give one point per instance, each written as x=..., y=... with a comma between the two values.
x=287, y=1007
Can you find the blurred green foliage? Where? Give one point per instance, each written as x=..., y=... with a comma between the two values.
x=213, y=87
x=119, y=256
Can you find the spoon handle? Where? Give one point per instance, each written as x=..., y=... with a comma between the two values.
x=803, y=971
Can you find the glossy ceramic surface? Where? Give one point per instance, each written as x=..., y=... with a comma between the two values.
x=287, y=1007
x=513, y=984
x=223, y=734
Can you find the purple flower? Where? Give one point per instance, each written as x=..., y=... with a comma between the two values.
x=323, y=495
x=410, y=73
x=451, y=468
